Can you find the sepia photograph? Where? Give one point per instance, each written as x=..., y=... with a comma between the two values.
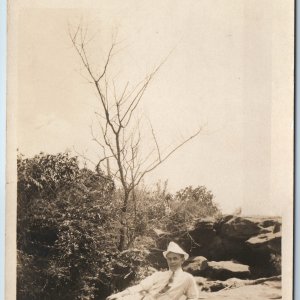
x=150, y=150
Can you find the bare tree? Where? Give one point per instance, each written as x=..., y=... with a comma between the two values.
x=120, y=139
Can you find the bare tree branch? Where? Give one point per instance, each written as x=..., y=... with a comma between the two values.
x=120, y=137
x=167, y=156
x=106, y=63
x=155, y=140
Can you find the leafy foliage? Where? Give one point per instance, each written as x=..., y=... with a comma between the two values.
x=190, y=204
x=65, y=228
x=68, y=228
x=158, y=209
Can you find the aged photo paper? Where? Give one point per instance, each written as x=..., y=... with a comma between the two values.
x=131, y=124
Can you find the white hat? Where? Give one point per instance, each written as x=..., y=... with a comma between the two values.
x=174, y=248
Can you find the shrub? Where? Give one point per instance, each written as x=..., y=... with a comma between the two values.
x=68, y=228
x=66, y=234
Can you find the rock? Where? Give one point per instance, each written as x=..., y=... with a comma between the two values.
x=202, y=283
x=266, y=241
x=267, y=229
x=196, y=265
x=223, y=270
x=205, y=240
x=236, y=282
x=216, y=285
x=233, y=250
x=226, y=218
x=238, y=228
x=277, y=228
x=269, y=222
x=228, y=265
x=210, y=285
x=210, y=246
x=205, y=223
x=247, y=290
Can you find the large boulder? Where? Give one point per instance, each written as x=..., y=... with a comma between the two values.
x=238, y=228
x=223, y=270
x=196, y=265
x=266, y=242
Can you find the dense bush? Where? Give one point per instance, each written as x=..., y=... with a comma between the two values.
x=163, y=212
x=190, y=204
x=68, y=228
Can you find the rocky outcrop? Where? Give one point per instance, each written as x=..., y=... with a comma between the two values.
x=251, y=241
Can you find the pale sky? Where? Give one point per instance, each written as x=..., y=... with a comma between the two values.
x=231, y=70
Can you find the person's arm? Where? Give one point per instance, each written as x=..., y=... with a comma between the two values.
x=144, y=285
x=192, y=290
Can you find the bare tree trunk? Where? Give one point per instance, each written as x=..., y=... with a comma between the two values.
x=123, y=230
x=131, y=234
x=122, y=242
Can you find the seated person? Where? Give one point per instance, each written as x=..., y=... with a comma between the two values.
x=168, y=285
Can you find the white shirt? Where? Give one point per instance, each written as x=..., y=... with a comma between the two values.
x=183, y=283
